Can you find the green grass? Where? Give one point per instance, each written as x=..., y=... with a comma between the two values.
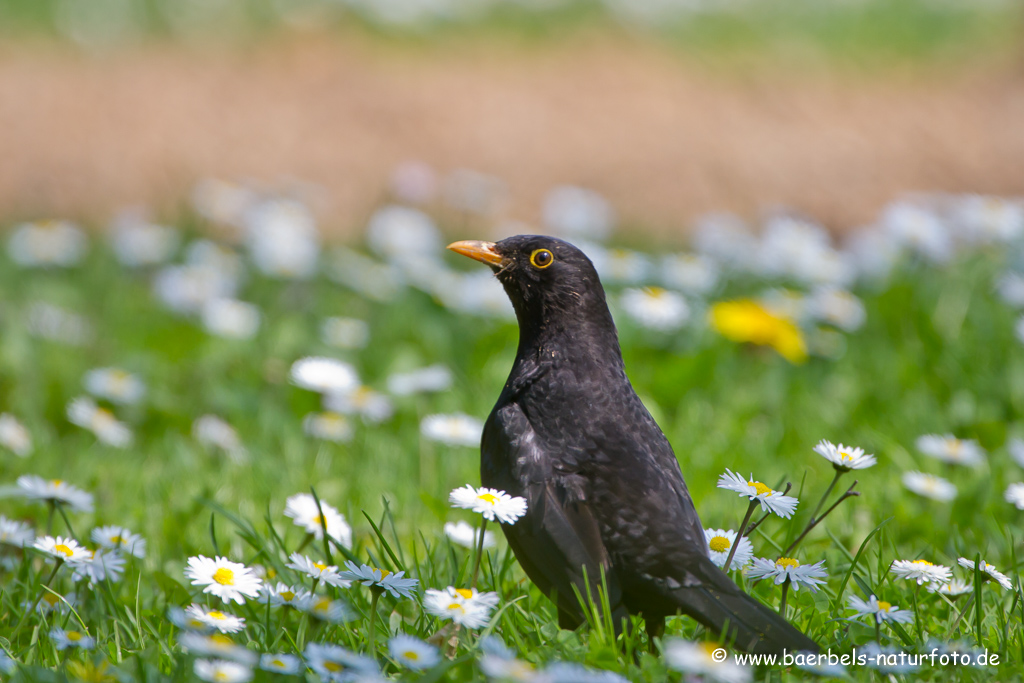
x=937, y=354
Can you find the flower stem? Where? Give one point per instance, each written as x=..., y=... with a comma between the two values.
x=25, y=614
x=849, y=493
x=739, y=535
x=479, y=551
x=785, y=594
x=828, y=491
x=375, y=593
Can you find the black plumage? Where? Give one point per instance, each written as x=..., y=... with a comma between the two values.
x=605, y=491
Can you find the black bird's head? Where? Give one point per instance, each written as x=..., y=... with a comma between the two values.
x=553, y=286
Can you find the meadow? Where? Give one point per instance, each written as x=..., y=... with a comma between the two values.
x=210, y=423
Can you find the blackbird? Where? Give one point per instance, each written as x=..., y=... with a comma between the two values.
x=606, y=497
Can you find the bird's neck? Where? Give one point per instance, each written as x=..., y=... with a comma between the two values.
x=585, y=338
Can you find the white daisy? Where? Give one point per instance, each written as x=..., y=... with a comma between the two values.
x=921, y=571
x=621, y=266
x=84, y=412
x=138, y=242
x=720, y=544
x=7, y=665
x=930, y=486
x=214, y=432
x=335, y=663
x=656, y=308
x=456, y=429
x=324, y=375
x=400, y=233
x=810, y=575
x=887, y=659
x=844, y=458
x=345, y=333
x=14, y=436
x=988, y=569
x=328, y=426
x=576, y=212
x=57, y=324
x=701, y=659
x=953, y=589
x=185, y=622
x=290, y=665
x=215, y=619
x=491, y=503
x=325, y=609
x=282, y=238
x=692, y=273
x=317, y=570
x=432, y=378
x=119, y=538
x=65, y=549
x=221, y=577
x=836, y=307
x=115, y=385
x=570, y=672
x=283, y=595
x=55, y=490
x=47, y=243
x=100, y=566
x=462, y=605
x=230, y=318
x=217, y=645
x=303, y=509
x=467, y=535
x=950, y=449
x=63, y=640
x=184, y=289
x=221, y=671
x=771, y=500
x=413, y=653
x=15, y=533
x=50, y=602
x=393, y=583
x=1015, y=495
x=880, y=610
x=373, y=406
x=1015, y=447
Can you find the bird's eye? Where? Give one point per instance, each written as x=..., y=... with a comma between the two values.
x=541, y=258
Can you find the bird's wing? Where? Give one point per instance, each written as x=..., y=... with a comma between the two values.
x=558, y=541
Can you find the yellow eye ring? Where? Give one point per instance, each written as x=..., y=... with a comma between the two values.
x=541, y=258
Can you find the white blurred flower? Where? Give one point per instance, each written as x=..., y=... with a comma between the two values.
x=921, y=571
x=392, y=582
x=230, y=318
x=221, y=671
x=796, y=248
x=491, y=503
x=656, y=308
x=872, y=251
x=720, y=542
x=54, y=323
x=319, y=571
x=138, y=242
x=432, y=378
x=375, y=281
x=619, y=266
x=15, y=533
x=119, y=538
x=880, y=610
x=63, y=549
x=467, y=536
x=286, y=664
x=302, y=508
x=184, y=289
x=725, y=238
x=209, y=255
x=324, y=375
x=987, y=220
x=335, y=664
x=464, y=606
x=328, y=426
x=810, y=575
x=1015, y=495
x=476, y=293
x=930, y=486
x=844, y=458
x=221, y=201
x=55, y=490
x=115, y=385
x=47, y=243
x=700, y=659
x=413, y=653
x=400, y=234
x=953, y=589
x=212, y=431
x=215, y=619
x=64, y=640
x=917, y=228
x=282, y=238
x=989, y=572
x=14, y=436
x=345, y=333
x=836, y=307
x=950, y=449
x=888, y=659
x=373, y=406
x=694, y=274
x=283, y=595
x=217, y=645
x=223, y=578
x=772, y=501
x=1010, y=287
x=100, y=566
x=456, y=429
x=577, y=213
x=474, y=192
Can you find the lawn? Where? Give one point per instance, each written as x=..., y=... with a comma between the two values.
x=935, y=353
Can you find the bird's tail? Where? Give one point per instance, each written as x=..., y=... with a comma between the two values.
x=743, y=621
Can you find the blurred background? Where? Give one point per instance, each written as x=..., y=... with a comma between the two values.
x=667, y=108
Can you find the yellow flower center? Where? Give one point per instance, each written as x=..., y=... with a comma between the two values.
x=318, y=520
x=456, y=606
x=278, y=663
x=719, y=544
x=61, y=548
x=759, y=487
x=843, y=455
x=489, y=497
x=219, y=616
x=466, y=593
x=116, y=539
x=409, y=654
x=224, y=576
x=923, y=563
x=271, y=573
x=710, y=648
x=333, y=667
x=787, y=562
x=56, y=482
x=195, y=623
x=384, y=573
x=74, y=636
x=655, y=292
x=884, y=606
x=220, y=675
x=50, y=599
x=320, y=565
x=288, y=595
x=221, y=639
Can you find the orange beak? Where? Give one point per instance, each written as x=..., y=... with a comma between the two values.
x=478, y=251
